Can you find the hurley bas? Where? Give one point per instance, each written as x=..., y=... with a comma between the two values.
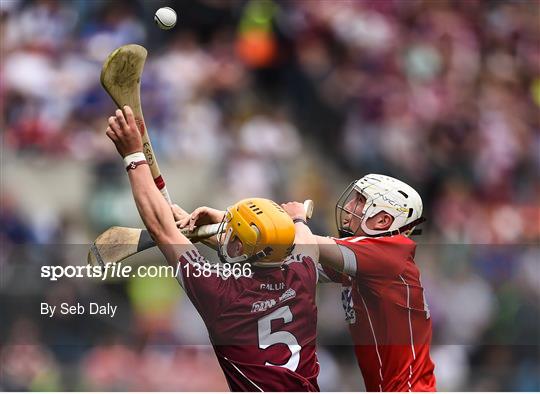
x=93, y=308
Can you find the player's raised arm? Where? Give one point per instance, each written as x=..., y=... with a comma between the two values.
x=329, y=253
x=153, y=209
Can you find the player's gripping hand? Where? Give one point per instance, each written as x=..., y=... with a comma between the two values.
x=124, y=133
x=179, y=214
x=295, y=210
x=201, y=216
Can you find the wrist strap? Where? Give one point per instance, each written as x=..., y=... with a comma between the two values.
x=133, y=157
x=298, y=220
x=135, y=164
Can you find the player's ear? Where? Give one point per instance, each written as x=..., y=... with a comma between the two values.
x=383, y=221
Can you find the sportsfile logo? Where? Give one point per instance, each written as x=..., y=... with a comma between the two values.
x=108, y=271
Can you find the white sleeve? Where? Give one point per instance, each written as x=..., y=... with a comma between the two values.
x=349, y=260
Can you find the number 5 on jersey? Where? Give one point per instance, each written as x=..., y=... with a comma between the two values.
x=268, y=338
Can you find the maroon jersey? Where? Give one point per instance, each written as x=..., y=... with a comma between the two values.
x=263, y=326
x=387, y=312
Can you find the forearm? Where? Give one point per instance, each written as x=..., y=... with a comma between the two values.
x=305, y=241
x=329, y=254
x=153, y=209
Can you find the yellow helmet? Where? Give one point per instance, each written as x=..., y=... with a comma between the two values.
x=264, y=228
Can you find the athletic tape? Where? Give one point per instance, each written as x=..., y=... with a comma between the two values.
x=160, y=183
x=134, y=157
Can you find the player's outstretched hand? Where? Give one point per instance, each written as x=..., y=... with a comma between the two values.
x=124, y=133
x=295, y=210
x=201, y=216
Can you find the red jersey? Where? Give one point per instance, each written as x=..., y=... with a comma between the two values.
x=385, y=306
x=263, y=327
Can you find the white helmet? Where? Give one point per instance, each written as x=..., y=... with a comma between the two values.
x=382, y=193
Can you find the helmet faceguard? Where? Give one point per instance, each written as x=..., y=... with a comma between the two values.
x=342, y=211
x=265, y=230
x=382, y=193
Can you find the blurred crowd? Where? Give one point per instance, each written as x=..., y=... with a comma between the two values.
x=285, y=100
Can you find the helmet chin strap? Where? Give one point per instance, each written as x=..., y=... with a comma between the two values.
x=259, y=255
x=344, y=233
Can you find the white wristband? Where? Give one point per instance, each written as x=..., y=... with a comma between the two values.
x=133, y=157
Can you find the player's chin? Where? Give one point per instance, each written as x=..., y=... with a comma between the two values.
x=347, y=229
